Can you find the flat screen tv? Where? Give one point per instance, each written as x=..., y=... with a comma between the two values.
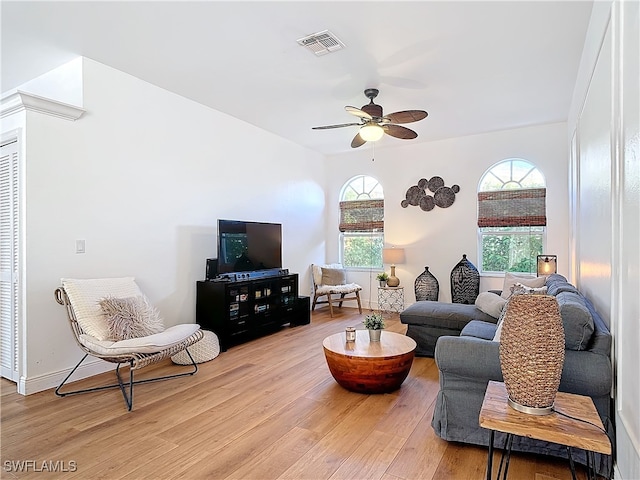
x=247, y=246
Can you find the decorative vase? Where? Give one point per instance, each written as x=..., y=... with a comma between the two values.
x=532, y=352
x=426, y=286
x=465, y=282
x=374, y=335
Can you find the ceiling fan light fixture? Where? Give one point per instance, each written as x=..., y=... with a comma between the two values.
x=371, y=132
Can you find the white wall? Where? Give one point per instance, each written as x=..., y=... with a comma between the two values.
x=605, y=129
x=438, y=238
x=143, y=177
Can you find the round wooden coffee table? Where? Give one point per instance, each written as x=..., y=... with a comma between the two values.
x=369, y=367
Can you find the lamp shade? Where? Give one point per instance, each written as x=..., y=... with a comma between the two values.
x=547, y=264
x=371, y=132
x=393, y=255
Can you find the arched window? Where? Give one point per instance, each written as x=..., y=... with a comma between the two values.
x=511, y=217
x=361, y=222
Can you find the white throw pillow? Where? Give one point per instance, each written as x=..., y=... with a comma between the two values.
x=521, y=289
x=130, y=317
x=496, y=336
x=85, y=296
x=490, y=303
x=511, y=279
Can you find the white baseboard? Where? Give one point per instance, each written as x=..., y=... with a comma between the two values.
x=28, y=386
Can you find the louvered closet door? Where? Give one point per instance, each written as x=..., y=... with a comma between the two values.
x=9, y=196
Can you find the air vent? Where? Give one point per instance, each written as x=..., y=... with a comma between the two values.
x=321, y=43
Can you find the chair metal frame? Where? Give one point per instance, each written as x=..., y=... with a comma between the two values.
x=136, y=361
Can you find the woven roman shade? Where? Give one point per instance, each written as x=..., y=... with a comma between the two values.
x=512, y=208
x=361, y=216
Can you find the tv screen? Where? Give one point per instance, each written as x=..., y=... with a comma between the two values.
x=246, y=246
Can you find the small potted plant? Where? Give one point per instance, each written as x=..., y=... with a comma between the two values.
x=374, y=323
x=382, y=278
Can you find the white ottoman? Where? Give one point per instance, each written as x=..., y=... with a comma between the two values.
x=205, y=349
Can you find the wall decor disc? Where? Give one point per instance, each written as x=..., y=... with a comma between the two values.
x=444, y=197
x=435, y=183
x=414, y=194
x=427, y=203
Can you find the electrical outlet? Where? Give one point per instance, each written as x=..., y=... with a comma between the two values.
x=80, y=246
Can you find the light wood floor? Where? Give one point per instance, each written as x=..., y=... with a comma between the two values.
x=265, y=409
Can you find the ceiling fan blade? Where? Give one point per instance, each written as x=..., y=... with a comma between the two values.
x=399, y=132
x=357, y=141
x=406, y=116
x=335, y=126
x=358, y=112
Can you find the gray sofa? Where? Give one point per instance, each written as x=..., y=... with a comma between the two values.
x=429, y=320
x=468, y=362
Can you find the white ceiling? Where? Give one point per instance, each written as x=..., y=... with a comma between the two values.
x=474, y=66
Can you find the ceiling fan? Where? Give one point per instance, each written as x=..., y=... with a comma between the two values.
x=373, y=124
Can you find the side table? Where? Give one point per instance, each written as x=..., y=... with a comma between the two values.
x=583, y=431
x=391, y=299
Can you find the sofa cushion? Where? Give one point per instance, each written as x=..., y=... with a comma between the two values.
x=490, y=303
x=511, y=279
x=150, y=344
x=555, y=288
x=452, y=316
x=479, y=329
x=576, y=319
x=555, y=277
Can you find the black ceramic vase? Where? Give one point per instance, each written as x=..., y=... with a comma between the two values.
x=426, y=286
x=465, y=282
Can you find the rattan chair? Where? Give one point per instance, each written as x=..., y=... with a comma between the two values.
x=330, y=280
x=81, y=300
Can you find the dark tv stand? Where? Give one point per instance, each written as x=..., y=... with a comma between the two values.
x=237, y=308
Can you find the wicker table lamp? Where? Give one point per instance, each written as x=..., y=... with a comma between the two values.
x=532, y=352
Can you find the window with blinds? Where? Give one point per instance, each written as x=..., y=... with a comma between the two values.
x=9, y=256
x=512, y=217
x=361, y=222
x=513, y=208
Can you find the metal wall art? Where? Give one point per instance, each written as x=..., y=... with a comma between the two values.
x=442, y=197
